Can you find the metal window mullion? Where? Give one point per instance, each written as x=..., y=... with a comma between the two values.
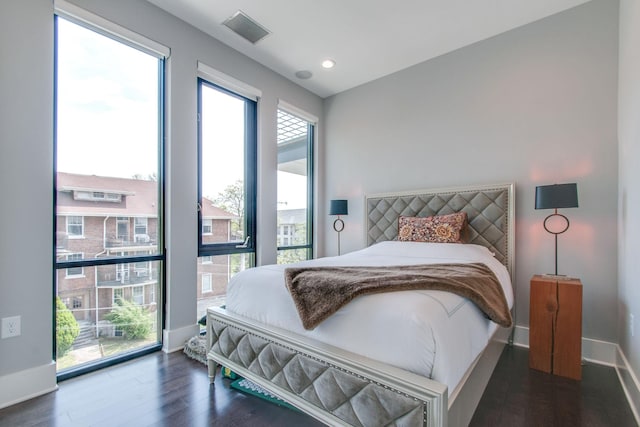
x=286, y=248
x=107, y=261
x=310, y=184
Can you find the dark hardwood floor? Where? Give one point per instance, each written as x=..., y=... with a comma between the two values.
x=173, y=390
x=519, y=396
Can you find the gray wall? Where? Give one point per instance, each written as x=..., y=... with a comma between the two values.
x=629, y=141
x=26, y=171
x=26, y=160
x=535, y=105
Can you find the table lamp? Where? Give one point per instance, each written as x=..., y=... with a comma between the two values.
x=338, y=207
x=556, y=196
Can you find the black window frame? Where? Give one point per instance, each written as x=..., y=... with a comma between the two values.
x=160, y=256
x=250, y=177
x=310, y=198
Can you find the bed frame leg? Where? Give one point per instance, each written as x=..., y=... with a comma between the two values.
x=212, y=366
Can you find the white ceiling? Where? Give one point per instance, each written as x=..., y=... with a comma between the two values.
x=368, y=39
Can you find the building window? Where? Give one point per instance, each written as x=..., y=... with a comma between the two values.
x=118, y=295
x=122, y=228
x=285, y=234
x=140, y=226
x=96, y=196
x=75, y=226
x=137, y=295
x=75, y=271
x=207, y=259
x=141, y=269
x=207, y=284
x=122, y=273
x=152, y=295
x=207, y=227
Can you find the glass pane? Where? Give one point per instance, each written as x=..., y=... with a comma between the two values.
x=108, y=197
x=119, y=314
x=293, y=169
x=214, y=272
x=288, y=256
x=223, y=167
x=107, y=146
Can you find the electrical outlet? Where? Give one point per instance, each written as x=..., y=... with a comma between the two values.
x=10, y=327
x=631, y=324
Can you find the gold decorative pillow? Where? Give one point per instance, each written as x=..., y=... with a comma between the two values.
x=435, y=229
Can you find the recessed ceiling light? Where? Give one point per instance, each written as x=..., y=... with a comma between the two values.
x=328, y=63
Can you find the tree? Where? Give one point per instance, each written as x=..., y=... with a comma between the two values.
x=150, y=177
x=132, y=319
x=67, y=329
x=232, y=201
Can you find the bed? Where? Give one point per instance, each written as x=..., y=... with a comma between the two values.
x=358, y=367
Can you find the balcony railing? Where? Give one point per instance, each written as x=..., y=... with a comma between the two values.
x=109, y=276
x=143, y=241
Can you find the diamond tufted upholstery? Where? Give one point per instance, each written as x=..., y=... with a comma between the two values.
x=487, y=210
x=340, y=388
x=348, y=396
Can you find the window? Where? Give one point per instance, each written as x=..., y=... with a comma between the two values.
x=97, y=196
x=137, y=294
x=108, y=174
x=227, y=164
x=295, y=188
x=75, y=226
x=221, y=269
x=142, y=269
x=122, y=273
x=122, y=227
x=75, y=271
x=206, y=283
x=140, y=226
x=207, y=226
x=285, y=234
x=118, y=295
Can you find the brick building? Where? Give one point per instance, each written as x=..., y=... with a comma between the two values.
x=100, y=217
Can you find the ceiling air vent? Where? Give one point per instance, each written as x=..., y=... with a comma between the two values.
x=246, y=27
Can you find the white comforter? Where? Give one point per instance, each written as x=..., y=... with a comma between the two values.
x=432, y=333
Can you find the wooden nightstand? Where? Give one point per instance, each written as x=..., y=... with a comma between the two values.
x=555, y=325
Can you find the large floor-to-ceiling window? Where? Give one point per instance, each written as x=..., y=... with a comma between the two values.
x=295, y=188
x=109, y=254
x=227, y=144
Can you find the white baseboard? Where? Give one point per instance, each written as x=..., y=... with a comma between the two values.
x=174, y=339
x=24, y=385
x=629, y=382
x=521, y=336
x=594, y=351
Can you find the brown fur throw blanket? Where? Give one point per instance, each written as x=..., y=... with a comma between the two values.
x=318, y=292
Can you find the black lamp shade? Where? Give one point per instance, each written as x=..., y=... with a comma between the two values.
x=338, y=207
x=557, y=196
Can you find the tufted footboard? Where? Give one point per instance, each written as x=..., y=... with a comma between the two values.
x=332, y=385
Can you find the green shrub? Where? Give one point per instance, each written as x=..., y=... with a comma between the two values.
x=133, y=320
x=67, y=329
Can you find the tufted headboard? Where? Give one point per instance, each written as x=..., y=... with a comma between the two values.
x=490, y=209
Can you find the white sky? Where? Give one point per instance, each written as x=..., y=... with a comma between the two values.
x=107, y=106
x=108, y=118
